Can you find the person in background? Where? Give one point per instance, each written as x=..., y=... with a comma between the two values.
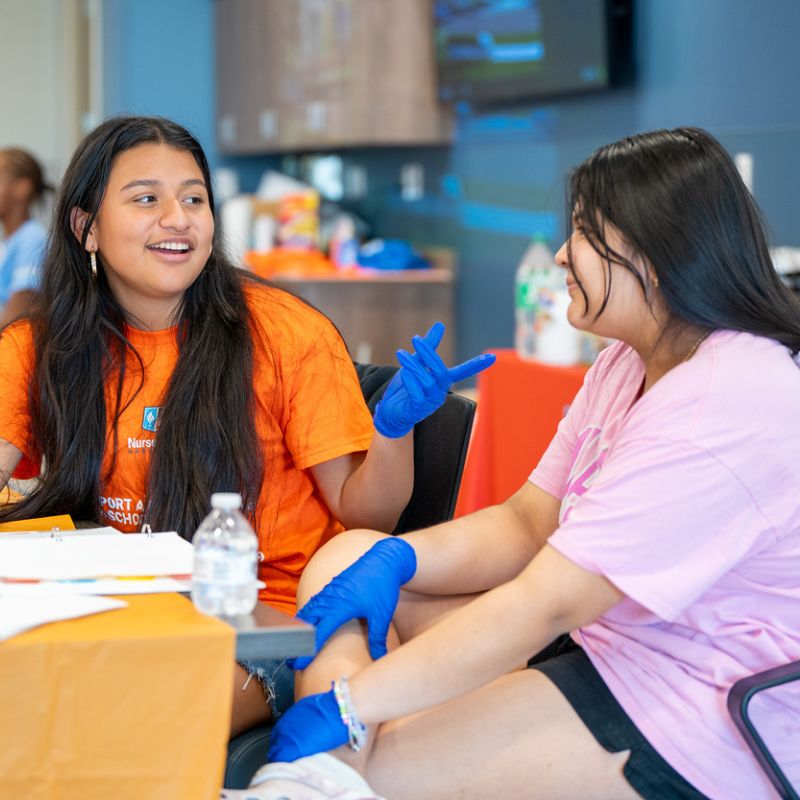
x=651, y=560
x=21, y=254
x=152, y=372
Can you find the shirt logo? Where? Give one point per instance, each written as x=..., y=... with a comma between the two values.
x=150, y=418
x=590, y=454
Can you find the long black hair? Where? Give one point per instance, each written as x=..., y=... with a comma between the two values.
x=206, y=437
x=679, y=203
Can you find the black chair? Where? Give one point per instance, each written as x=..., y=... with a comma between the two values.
x=739, y=697
x=440, y=449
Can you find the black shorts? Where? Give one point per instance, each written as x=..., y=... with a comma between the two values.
x=569, y=668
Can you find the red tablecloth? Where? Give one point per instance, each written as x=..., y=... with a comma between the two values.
x=520, y=404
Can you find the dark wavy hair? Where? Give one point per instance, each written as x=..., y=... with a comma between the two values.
x=678, y=201
x=206, y=438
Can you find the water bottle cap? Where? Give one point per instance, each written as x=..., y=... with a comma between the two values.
x=226, y=501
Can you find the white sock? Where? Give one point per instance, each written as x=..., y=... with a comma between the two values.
x=323, y=764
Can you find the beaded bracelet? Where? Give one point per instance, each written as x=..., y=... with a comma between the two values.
x=356, y=730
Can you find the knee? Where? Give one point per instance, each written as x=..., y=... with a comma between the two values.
x=334, y=556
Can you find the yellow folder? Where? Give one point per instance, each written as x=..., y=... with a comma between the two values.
x=62, y=521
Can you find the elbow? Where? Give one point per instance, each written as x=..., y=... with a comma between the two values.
x=381, y=520
x=374, y=504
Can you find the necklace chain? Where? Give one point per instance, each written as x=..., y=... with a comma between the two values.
x=693, y=348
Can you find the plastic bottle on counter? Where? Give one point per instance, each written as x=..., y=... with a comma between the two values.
x=343, y=245
x=557, y=342
x=225, y=560
x=535, y=274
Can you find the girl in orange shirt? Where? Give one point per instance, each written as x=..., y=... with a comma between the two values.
x=145, y=333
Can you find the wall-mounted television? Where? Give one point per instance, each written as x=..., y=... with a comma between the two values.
x=492, y=51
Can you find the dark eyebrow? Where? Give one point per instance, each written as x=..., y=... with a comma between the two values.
x=152, y=182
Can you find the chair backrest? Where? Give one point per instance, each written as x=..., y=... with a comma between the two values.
x=739, y=697
x=440, y=449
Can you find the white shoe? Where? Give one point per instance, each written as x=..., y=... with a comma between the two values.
x=317, y=777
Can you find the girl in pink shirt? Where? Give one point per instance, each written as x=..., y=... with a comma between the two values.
x=652, y=559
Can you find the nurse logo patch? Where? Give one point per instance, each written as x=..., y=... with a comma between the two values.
x=150, y=418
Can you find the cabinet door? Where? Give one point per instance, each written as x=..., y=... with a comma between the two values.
x=396, y=78
x=248, y=73
x=310, y=74
x=377, y=317
x=231, y=18
x=374, y=79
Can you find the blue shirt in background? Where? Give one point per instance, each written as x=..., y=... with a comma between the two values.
x=21, y=257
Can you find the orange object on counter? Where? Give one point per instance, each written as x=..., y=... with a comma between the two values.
x=289, y=261
x=62, y=521
x=298, y=219
x=520, y=404
x=133, y=703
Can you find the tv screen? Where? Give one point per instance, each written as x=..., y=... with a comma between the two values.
x=505, y=50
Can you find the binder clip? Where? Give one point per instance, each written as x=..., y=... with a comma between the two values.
x=147, y=531
x=55, y=534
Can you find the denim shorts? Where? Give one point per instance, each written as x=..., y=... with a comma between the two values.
x=276, y=679
x=570, y=669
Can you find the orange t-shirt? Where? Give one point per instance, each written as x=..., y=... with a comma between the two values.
x=309, y=409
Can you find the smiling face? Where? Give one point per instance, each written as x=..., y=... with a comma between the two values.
x=153, y=231
x=627, y=314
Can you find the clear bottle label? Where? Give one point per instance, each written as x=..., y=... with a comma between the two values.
x=224, y=569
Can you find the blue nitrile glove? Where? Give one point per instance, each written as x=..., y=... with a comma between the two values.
x=421, y=384
x=311, y=725
x=368, y=589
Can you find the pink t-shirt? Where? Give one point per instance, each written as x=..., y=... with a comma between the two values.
x=688, y=500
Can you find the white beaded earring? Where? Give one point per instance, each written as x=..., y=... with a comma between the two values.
x=93, y=262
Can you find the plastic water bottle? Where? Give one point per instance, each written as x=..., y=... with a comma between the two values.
x=225, y=560
x=537, y=272
x=557, y=342
x=343, y=246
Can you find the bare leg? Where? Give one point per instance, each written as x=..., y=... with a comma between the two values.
x=346, y=651
x=517, y=738
x=250, y=707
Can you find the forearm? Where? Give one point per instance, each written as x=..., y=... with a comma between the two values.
x=498, y=630
x=470, y=554
x=482, y=550
x=376, y=492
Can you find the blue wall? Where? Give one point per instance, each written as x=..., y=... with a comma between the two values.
x=159, y=59
x=731, y=66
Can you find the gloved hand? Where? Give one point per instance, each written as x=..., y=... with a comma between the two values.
x=311, y=725
x=421, y=384
x=368, y=589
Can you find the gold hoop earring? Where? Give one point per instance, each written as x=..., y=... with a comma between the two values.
x=93, y=263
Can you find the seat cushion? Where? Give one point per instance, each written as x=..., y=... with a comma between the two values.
x=246, y=753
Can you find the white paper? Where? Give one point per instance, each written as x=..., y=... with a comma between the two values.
x=36, y=606
x=49, y=534
x=100, y=586
x=73, y=557
x=115, y=586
